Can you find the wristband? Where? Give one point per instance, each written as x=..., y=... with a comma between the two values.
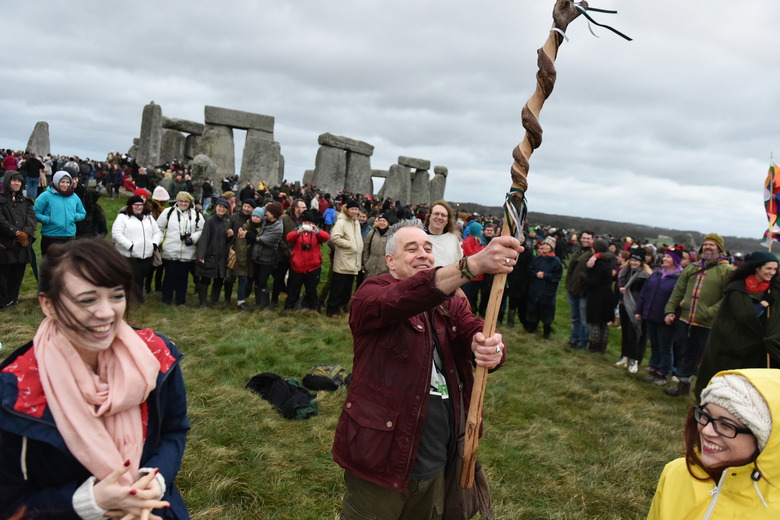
x=463, y=267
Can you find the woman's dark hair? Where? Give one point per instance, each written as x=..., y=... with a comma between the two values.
x=93, y=259
x=450, y=215
x=693, y=461
x=748, y=268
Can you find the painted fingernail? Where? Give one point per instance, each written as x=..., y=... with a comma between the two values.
x=127, y=462
x=133, y=492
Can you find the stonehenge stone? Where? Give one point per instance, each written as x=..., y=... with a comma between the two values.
x=420, y=192
x=202, y=167
x=379, y=173
x=308, y=176
x=182, y=125
x=239, y=119
x=411, y=162
x=345, y=143
x=398, y=184
x=133, y=151
x=191, y=143
x=438, y=183
x=39, y=143
x=330, y=169
x=171, y=146
x=261, y=160
x=358, y=178
x=151, y=136
x=217, y=143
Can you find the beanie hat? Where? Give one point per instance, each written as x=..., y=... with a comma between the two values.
x=737, y=395
x=59, y=176
x=309, y=216
x=251, y=202
x=717, y=239
x=676, y=253
x=637, y=253
x=183, y=195
x=275, y=209
x=759, y=258
x=258, y=212
x=141, y=193
x=134, y=199
x=161, y=194
x=550, y=241
x=228, y=195
x=222, y=202
x=352, y=203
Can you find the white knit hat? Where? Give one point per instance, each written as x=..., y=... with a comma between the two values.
x=737, y=395
x=161, y=194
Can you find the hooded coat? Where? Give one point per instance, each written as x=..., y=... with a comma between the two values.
x=681, y=497
x=58, y=213
x=348, y=252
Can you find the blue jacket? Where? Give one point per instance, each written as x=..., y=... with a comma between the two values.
x=545, y=287
x=58, y=214
x=654, y=295
x=31, y=443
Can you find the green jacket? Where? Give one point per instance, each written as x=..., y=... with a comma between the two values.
x=739, y=339
x=715, y=280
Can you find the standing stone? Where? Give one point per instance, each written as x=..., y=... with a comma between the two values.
x=202, y=167
x=133, y=151
x=182, y=125
x=151, y=136
x=281, y=168
x=308, y=177
x=359, y=174
x=330, y=169
x=191, y=143
x=171, y=147
x=421, y=189
x=438, y=183
x=217, y=143
x=39, y=143
x=261, y=160
x=398, y=184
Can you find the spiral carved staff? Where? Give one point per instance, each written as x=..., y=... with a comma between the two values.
x=515, y=209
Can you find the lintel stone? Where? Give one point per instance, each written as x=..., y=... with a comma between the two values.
x=346, y=143
x=183, y=125
x=411, y=162
x=238, y=119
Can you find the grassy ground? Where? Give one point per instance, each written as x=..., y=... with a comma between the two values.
x=566, y=436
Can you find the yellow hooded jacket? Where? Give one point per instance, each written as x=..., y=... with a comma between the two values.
x=681, y=497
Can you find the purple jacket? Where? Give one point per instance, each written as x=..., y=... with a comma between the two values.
x=384, y=413
x=655, y=293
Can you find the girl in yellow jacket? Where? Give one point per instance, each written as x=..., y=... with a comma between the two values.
x=731, y=467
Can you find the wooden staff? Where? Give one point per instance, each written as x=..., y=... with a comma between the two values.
x=564, y=12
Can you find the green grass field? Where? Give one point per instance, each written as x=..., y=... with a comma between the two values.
x=566, y=435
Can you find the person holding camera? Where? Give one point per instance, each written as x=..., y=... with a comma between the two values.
x=305, y=262
x=182, y=226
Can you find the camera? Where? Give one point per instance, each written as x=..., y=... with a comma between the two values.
x=305, y=247
x=306, y=227
x=187, y=239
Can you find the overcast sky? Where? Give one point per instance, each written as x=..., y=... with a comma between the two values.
x=672, y=129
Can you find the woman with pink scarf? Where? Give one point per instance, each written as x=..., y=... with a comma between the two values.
x=93, y=413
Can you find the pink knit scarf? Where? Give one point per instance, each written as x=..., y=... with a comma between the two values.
x=98, y=414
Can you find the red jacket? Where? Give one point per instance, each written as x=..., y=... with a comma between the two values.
x=383, y=416
x=304, y=261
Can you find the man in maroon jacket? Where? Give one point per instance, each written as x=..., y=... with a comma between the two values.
x=415, y=345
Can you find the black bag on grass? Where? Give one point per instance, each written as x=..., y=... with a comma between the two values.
x=289, y=398
x=325, y=377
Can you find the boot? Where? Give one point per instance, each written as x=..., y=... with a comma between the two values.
x=547, y=331
x=510, y=319
x=202, y=290
x=228, y=292
x=264, y=301
x=594, y=347
x=681, y=389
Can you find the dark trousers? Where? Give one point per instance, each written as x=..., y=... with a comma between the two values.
x=340, y=292
x=11, y=276
x=692, y=339
x=633, y=343
x=471, y=290
x=175, y=281
x=141, y=269
x=279, y=273
x=661, y=338
x=156, y=274
x=47, y=242
x=308, y=280
x=541, y=309
x=423, y=499
x=261, y=274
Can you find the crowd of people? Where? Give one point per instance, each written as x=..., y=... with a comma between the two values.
x=701, y=311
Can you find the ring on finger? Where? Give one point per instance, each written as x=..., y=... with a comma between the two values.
x=498, y=349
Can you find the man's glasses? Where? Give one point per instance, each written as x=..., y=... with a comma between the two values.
x=721, y=427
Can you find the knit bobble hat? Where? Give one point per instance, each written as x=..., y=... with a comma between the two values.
x=717, y=239
x=275, y=209
x=160, y=194
x=258, y=212
x=737, y=395
x=637, y=253
x=141, y=192
x=251, y=202
x=759, y=258
x=676, y=253
x=222, y=202
x=183, y=195
x=352, y=203
x=134, y=199
x=309, y=216
x=550, y=241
